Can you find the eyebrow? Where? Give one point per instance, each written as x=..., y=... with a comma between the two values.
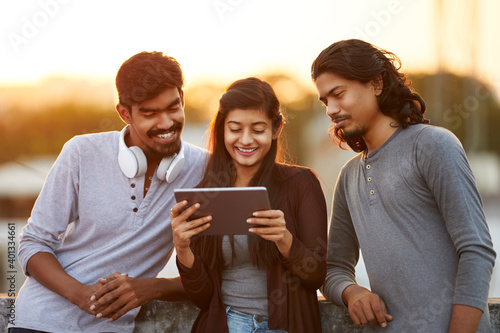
x=253, y=124
x=174, y=102
x=331, y=91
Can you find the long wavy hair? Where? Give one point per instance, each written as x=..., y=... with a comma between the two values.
x=354, y=59
x=246, y=94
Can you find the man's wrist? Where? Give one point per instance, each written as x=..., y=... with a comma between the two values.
x=348, y=291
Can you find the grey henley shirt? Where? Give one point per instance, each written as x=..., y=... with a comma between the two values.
x=413, y=209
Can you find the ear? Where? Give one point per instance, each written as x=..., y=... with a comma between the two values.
x=124, y=113
x=181, y=94
x=378, y=85
x=276, y=134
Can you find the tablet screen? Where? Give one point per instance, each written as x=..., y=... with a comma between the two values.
x=230, y=207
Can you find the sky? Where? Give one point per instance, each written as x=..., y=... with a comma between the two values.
x=224, y=40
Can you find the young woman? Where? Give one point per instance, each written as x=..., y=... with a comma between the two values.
x=265, y=282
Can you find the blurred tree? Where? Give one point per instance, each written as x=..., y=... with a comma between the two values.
x=24, y=132
x=465, y=106
x=202, y=101
x=297, y=103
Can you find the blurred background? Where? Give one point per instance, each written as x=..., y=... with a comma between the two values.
x=58, y=60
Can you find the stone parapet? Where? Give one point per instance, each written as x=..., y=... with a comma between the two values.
x=177, y=317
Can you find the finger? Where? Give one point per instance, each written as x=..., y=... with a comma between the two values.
x=268, y=229
x=184, y=215
x=369, y=313
x=121, y=312
x=261, y=221
x=355, y=318
x=103, y=290
x=107, y=288
x=110, y=310
x=178, y=207
x=110, y=278
x=205, y=225
x=109, y=303
x=362, y=312
x=194, y=224
x=268, y=213
x=380, y=312
x=387, y=316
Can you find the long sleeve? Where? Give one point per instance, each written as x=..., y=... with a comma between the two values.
x=55, y=207
x=197, y=283
x=445, y=169
x=307, y=259
x=343, y=248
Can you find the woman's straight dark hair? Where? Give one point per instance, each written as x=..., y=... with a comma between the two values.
x=246, y=94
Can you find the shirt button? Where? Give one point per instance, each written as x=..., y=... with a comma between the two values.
x=369, y=179
x=135, y=210
x=132, y=185
x=132, y=197
x=372, y=192
x=368, y=166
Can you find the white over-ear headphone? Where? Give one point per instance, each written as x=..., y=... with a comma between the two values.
x=133, y=162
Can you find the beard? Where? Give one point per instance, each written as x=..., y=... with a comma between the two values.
x=166, y=149
x=353, y=134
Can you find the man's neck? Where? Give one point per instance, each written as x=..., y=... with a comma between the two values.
x=379, y=133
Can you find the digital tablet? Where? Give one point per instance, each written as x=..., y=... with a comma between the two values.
x=230, y=207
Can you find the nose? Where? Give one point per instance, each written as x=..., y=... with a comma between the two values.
x=246, y=137
x=332, y=109
x=164, y=121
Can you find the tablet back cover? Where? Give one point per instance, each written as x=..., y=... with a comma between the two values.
x=230, y=207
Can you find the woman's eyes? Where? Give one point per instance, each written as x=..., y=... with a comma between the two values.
x=236, y=130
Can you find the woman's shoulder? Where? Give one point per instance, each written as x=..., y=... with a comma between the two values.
x=296, y=172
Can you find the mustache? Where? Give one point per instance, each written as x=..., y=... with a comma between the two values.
x=338, y=118
x=175, y=127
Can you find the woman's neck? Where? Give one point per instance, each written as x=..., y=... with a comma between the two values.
x=244, y=176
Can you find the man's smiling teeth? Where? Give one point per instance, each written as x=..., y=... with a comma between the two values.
x=249, y=150
x=165, y=135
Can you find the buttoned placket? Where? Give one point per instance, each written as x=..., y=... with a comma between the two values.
x=370, y=184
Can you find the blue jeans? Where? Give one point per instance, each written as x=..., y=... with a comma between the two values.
x=239, y=322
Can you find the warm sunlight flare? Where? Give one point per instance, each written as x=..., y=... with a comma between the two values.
x=221, y=40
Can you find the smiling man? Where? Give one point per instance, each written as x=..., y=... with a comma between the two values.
x=408, y=201
x=100, y=229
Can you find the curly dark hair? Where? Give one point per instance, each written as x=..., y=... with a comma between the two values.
x=354, y=59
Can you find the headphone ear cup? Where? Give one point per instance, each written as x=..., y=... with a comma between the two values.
x=175, y=168
x=161, y=171
x=170, y=167
x=132, y=161
x=141, y=160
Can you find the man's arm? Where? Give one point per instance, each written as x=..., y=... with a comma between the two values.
x=464, y=319
x=120, y=293
x=454, y=188
x=47, y=271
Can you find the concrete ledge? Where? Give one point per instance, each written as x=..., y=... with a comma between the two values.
x=177, y=317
